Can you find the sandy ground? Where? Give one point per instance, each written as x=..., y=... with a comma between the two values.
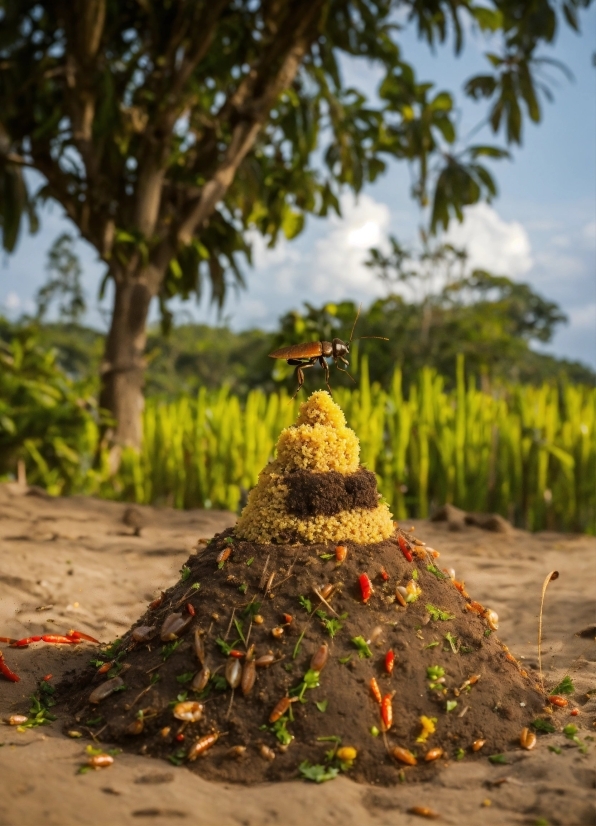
x=75, y=562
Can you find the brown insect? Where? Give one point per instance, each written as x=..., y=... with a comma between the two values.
x=303, y=356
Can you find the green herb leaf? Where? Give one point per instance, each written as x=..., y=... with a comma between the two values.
x=298, y=644
x=570, y=731
x=250, y=561
x=224, y=647
x=450, y=705
x=281, y=732
x=498, y=758
x=243, y=588
x=185, y=678
x=219, y=683
x=94, y=721
x=251, y=610
x=326, y=556
x=238, y=626
x=305, y=603
x=332, y=626
x=195, y=586
x=362, y=646
x=543, y=725
x=487, y=632
x=452, y=641
x=374, y=731
x=431, y=645
x=415, y=574
x=178, y=757
x=565, y=686
x=316, y=772
x=555, y=749
x=435, y=672
x=169, y=648
x=459, y=754
x=438, y=614
x=184, y=573
x=322, y=706
x=344, y=660
x=435, y=572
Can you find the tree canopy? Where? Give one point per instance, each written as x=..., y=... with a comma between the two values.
x=167, y=129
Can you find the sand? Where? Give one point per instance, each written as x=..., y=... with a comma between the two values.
x=80, y=557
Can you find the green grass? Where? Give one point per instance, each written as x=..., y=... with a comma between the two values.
x=526, y=452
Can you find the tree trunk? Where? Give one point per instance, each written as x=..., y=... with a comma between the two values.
x=123, y=367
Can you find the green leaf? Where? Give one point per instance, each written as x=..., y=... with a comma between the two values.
x=344, y=660
x=305, y=603
x=438, y=614
x=186, y=677
x=362, y=646
x=322, y=706
x=326, y=556
x=435, y=672
x=452, y=641
x=225, y=647
x=435, y=572
x=251, y=610
x=250, y=561
x=279, y=728
x=168, y=649
x=459, y=754
x=450, y=705
x=543, y=725
x=565, y=686
x=432, y=645
x=555, y=749
x=184, y=573
x=498, y=758
x=316, y=772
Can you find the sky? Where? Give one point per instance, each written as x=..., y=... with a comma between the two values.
x=541, y=228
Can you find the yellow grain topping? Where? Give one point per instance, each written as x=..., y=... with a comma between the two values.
x=319, y=442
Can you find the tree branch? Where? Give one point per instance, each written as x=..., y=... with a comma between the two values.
x=251, y=103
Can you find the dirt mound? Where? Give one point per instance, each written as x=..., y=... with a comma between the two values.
x=434, y=658
x=274, y=657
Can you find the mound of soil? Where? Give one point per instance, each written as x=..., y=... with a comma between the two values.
x=244, y=600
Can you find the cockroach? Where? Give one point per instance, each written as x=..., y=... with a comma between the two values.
x=173, y=626
x=190, y=608
x=341, y=553
x=559, y=701
x=264, y=661
x=280, y=709
x=100, y=761
x=366, y=588
x=404, y=756
x=320, y=657
x=223, y=556
x=201, y=678
x=389, y=661
x=303, y=356
x=405, y=548
x=188, y=711
x=375, y=690
x=387, y=711
x=105, y=689
x=433, y=754
x=233, y=672
x=249, y=675
x=527, y=739
x=201, y=745
x=143, y=633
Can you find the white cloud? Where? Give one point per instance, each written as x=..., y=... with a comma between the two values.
x=492, y=243
x=589, y=231
x=12, y=302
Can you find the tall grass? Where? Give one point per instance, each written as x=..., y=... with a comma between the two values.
x=526, y=452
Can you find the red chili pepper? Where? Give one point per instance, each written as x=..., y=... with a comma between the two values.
x=387, y=711
x=287, y=618
x=180, y=737
x=365, y=587
x=405, y=547
x=5, y=670
x=191, y=609
x=384, y=575
x=236, y=654
x=78, y=635
x=59, y=639
x=375, y=690
x=46, y=678
x=389, y=661
x=574, y=712
x=9, y=640
x=24, y=642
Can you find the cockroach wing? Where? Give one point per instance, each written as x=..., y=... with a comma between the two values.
x=308, y=350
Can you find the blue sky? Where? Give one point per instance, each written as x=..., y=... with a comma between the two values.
x=541, y=229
